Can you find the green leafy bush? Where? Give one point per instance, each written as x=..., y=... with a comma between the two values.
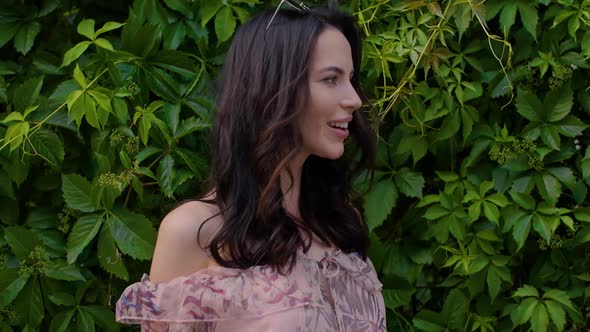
x=478, y=214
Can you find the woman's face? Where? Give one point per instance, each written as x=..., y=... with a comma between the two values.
x=332, y=98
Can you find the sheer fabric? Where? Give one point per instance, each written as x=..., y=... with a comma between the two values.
x=326, y=291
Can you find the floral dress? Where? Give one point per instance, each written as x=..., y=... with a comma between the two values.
x=325, y=291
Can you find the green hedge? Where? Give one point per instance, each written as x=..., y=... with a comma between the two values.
x=478, y=215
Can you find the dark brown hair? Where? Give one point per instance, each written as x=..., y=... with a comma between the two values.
x=263, y=90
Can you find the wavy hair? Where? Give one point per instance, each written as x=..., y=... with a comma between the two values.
x=263, y=90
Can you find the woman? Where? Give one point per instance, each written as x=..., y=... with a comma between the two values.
x=276, y=244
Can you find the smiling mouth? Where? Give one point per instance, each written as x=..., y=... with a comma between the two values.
x=339, y=125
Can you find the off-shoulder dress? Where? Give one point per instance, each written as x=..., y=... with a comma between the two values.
x=327, y=290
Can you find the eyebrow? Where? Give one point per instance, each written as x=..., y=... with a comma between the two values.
x=336, y=69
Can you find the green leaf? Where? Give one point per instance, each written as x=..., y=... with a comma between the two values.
x=379, y=202
x=25, y=37
x=181, y=7
x=63, y=271
x=539, y=318
x=529, y=17
x=541, y=226
x=526, y=291
x=11, y=283
x=436, y=212
x=194, y=161
x=61, y=298
x=27, y=94
x=102, y=100
x=564, y=175
x=29, y=303
x=556, y=313
x=108, y=255
x=103, y=43
x=582, y=214
x=53, y=240
x=529, y=106
x=225, y=24
x=508, y=17
x=524, y=200
x=560, y=296
x=146, y=153
x=548, y=187
x=108, y=26
x=409, y=183
x=61, y=321
x=570, y=126
x=103, y=317
x=86, y=28
x=121, y=109
x=7, y=32
x=3, y=96
x=455, y=309
x=397, y=297
x=21, y=240
x=174, y=35
x=429, y=321
x=524, y=310
x=521, y=229
x=493, y=281
x=190, y=125
x=84, y=321
x=133, y=233
x=174, y=61
x=208, y=10
x=498, y=198
x=6, y=186
x=15, y=135
x=42, y=218
x=559, y=103
x=77, y=193
x=75, y=52
x=84, y=230
x=583, y=235
x=450, y=126
x=48, y=145
x=166, y=175
x=491, y=212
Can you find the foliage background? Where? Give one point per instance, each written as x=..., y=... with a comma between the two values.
x=478, y=215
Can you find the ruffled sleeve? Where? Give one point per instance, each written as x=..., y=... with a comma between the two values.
x=214, y=294
x=361, y=271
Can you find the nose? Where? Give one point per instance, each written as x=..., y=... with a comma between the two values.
x=351, y=100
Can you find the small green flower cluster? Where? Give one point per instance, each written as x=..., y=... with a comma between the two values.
x=559, y=75
x=132, y=145
x=8, y=314
x=4, y=255
x=109, y=180
x=505, y=152
x=530, y=80
x=39, y=260
x=556, y=242
x=116, y=138
x=118, y=181
x=132, y=88
x=65, y=218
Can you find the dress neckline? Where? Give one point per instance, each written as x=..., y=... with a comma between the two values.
x=318, y=252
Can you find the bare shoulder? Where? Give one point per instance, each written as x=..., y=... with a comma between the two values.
x=178, y=252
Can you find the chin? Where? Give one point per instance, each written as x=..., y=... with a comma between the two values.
x=332, y=154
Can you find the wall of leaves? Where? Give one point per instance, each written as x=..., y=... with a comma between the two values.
x=478, y=212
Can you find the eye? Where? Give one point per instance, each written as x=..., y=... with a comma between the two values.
x=330, y=80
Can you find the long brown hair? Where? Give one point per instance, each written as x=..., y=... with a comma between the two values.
x=263, y=89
